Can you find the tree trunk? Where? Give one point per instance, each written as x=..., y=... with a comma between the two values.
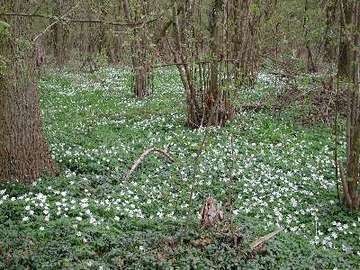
x=60, y=37
x=218, y=108
x=310, y=64
x=348, y=71
x=207, y=102
x=24, y=154
x=139, y=51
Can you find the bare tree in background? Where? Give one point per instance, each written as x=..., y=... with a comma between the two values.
x=139, y=46
x=202, y=53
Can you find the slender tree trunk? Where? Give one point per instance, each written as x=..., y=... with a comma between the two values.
x=60, y=37
x=348, y=71
x=24, y=154
x=311, y=67
x=139, y=51
x=344, y=63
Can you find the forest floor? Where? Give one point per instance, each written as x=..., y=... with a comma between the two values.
x=267, y=171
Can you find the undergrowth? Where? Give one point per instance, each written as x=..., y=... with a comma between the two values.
x=277, y=173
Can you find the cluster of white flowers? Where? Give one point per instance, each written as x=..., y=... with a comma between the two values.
x=278, y=179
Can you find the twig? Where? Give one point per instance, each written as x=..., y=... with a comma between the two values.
x=143, y=156
x=69, y=20
x=264, y=239
x=57, y=20
x=196, y=63
x=336, y=138
x=13, y=14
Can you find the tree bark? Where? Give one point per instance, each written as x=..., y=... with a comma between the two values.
x=60, y=37
x=24, y=153
x=139, y=51
x=218, y=107
x=348, y=71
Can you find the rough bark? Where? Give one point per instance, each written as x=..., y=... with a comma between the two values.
x=61, y=36
x=24, y=154
x=139, y=52
x=348, y=70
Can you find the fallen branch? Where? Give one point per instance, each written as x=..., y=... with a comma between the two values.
x=262, y=240
x=143, y=156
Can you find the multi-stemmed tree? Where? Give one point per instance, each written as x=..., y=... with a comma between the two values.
x=213, y=44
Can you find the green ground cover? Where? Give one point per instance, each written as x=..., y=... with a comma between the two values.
x=266, y=170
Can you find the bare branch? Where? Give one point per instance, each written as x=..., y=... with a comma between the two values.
x=143, y=156
x=54, y=23
x=71, y=20
x=264, y=239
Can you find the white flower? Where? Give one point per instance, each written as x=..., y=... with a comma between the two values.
x=116, y=218
x=25, y=219
x=41, y=228
x=92, y=220
x=294, y=202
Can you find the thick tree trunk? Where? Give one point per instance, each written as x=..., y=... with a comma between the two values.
x=24, y=154
x=141, y=82
x=348, y=70
x=350, y=182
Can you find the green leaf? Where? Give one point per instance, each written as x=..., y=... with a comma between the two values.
x=4, y=26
